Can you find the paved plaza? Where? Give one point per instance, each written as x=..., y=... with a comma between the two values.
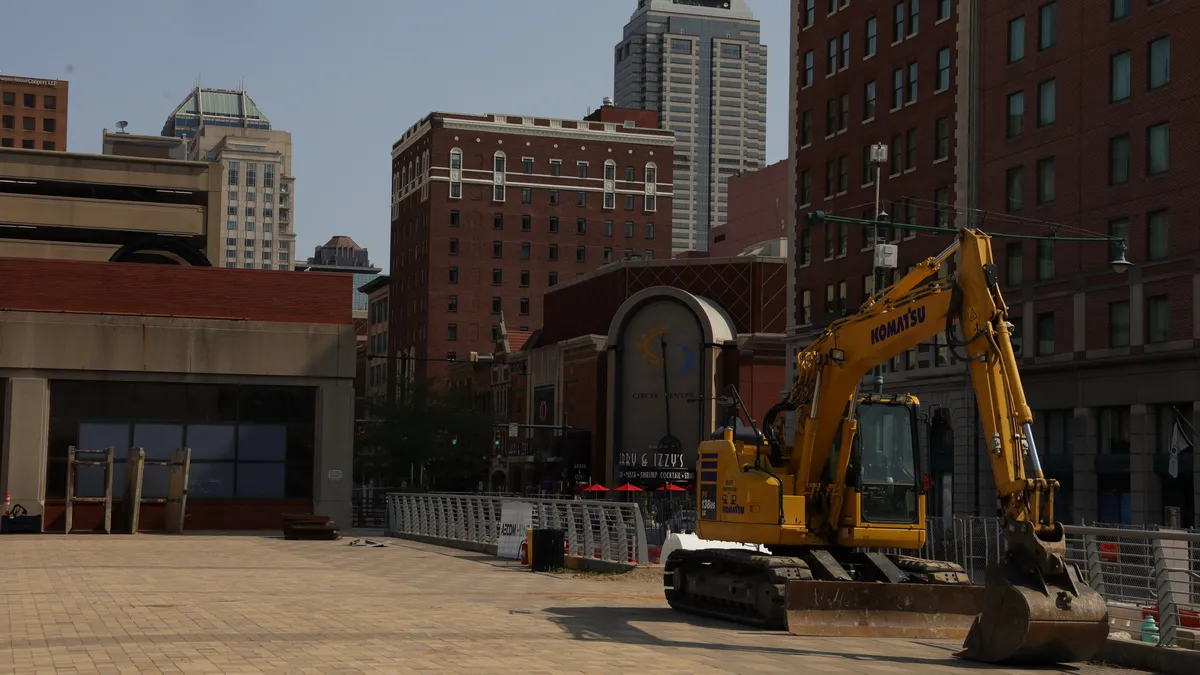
x=260, y=604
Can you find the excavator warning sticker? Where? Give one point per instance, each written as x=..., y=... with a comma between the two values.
x=708, y=501
x=898, y=325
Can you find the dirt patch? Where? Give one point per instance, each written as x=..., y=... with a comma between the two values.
x=637, y=575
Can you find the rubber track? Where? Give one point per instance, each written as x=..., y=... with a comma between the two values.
x=932, y=571
x=770, y=573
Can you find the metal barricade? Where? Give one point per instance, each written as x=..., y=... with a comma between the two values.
x=609, y=531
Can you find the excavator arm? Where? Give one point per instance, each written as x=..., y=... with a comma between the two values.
x=1038, y=609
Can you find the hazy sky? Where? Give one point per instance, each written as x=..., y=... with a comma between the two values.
x=346, y=79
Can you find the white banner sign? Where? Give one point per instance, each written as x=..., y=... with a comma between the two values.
x=515, y=519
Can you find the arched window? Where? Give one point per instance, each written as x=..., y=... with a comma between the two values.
x=651, y=188
x=610, y=184
x=456, y=157
x=499, y=167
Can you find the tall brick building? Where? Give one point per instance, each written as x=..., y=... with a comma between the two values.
x=33, y=113
x=1030, y=118
x=489, y=211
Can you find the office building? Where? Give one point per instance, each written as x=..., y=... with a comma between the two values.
x=342, y=255
x=33, y=113
x=1027, y=118
x=700, y=66
x=488, y=211
x=227, y=127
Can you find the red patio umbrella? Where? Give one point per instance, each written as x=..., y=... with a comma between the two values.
x=629, y=487
x=671, y=487
x=595, y=487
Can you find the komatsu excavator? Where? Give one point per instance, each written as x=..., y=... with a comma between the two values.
x=849, y=489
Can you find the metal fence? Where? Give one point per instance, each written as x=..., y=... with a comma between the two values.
x=1146, y=569
x=598, y=529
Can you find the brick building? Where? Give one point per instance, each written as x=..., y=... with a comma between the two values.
x=489, y=211
x=758, y=211
x=33, y=113
x=1038, y=120
x=601, y=372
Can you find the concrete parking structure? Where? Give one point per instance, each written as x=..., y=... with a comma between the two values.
x=260, y=604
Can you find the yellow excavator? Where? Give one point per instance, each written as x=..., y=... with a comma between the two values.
x=849, y=489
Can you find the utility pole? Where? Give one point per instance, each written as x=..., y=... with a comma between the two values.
x=879, y=157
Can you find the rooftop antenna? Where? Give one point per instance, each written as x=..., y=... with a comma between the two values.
x=121, y=127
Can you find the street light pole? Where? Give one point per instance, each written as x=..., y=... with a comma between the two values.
x=879, y=157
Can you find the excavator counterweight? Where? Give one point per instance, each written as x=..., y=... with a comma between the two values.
x=834, y=509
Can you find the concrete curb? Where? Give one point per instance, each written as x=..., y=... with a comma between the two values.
x=1145, y=656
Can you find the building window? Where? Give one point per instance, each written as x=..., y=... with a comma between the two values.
x=629, y=230
x=844, y=113
x=914, y=17
x=526, y=248
x=581, y=198
x=553, y=224
x=843, y=174
x=910, y=150
x=1016, y=114
x=497, y=305
x=1160, y=64
x=943, y=74
x=831, y=113
x=607, y=255
x=497, y=277
x=499, y=162
x=580, y=254
x=1047, y=25
x=582, y=169
x=48, y=124
x=805, y=128
x=454, y=219
x=1118, y=160
x=48, y=145
x=526, y=195
x=1014, y=187
x=941, y=205
x=1118, y=324
x=581, y=226
x=805, y=187
x=497, y=249
x=526, y=223
x=527, y=164
x=1013, y=263
x=1121, y=8
x=942, y=142
x=808, y=68
x=943, y=10
x=1047, y=104
x=912, y=82
x=1156, y=318
x=869, y=101
x=810, y=12
x=1045, y=186
x=553, y=251
x=524, y=278
x=831, y=57
x=1157, y=235
x=1045, y=259
x=453, y=275
x=451, y=332
x=452, y=303
x=233, y=173
x=1158, y=156
x=805, y=247
x=1045, y=334
x=1113, y=426
x=897, y=88
x=552, y=279
x=895, y=156
x=498, y=221
x=453, y=244
x=1118, y=229
x=649, y=230
x=1119, y=78
x=872, y=29
x=523, y=307
x=1016, y=39
x=898, y=16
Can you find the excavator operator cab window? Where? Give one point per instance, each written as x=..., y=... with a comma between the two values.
x=887, y=463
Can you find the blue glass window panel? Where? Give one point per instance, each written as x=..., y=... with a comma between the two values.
x=260, y=480
x=262, y=442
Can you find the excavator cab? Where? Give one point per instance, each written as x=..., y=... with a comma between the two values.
x=886, y=468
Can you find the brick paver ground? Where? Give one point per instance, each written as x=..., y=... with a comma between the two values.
x=259, y=604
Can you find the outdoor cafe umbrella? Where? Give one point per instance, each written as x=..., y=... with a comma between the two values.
x=595, y=487
x=629, y=487
x=671, y=487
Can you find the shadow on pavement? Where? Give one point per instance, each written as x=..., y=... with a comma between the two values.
x=615, y=624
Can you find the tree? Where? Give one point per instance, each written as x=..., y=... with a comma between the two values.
x=429, y=429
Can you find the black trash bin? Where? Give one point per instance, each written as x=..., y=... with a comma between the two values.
x=18, y=521
x=547, y=550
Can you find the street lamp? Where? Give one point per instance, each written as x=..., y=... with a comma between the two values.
x=879, y=157
x=1120, y=264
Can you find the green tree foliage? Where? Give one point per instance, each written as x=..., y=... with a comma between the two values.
x=435, y=430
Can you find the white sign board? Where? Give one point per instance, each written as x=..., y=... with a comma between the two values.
x=886, y=256
x=515, y=519
x=335, y=474
x=513, y=430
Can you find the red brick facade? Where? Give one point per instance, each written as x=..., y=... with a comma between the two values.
x=178, y=291
x=836, y=125
x=758, y=205
x=460, y=260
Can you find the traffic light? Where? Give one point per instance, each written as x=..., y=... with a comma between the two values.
x=496, y=436
x=454, y=440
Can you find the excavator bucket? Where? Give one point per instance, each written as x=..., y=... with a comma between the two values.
x=866, y=609
x=1028, y=620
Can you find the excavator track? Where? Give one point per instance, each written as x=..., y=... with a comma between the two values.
x=751, y=588
x=737, y=585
